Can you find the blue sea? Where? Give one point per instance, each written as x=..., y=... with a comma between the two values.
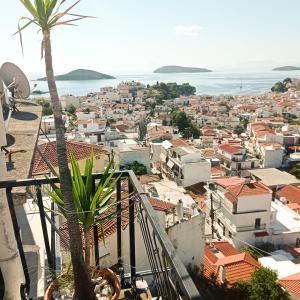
x=214, y=83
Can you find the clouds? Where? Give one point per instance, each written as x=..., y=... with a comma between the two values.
x=192, y=30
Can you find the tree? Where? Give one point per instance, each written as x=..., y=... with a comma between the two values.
x=71, y=109
x=238, y=129
x=46, y=15
x=279, y=87
x=47, y=109
x=137, y=168
x=264, y=285
x=180, y=119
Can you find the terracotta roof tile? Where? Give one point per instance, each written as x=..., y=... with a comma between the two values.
x=291, y=193
x=80, y=151
x=292, y=283
x=229, y=181
x=229, y=148
x=238, y=266
x=246, y=189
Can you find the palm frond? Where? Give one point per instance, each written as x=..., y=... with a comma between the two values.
x=45, y=14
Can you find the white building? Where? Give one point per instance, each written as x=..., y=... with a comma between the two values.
x=244, y=213
x=185, y=165
x=242, y=210
x=68, y=100
x=130, y=151
x=272, y=155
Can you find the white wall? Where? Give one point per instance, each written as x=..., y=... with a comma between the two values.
x=140, y=155
x=272, y=158
x=188, y=239
x=196, y=172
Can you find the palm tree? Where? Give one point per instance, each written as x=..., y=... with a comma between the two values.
x=92, y=207
x=46, y=15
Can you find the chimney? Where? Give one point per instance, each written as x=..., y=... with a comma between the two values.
x=179, y=209
x=222, y=273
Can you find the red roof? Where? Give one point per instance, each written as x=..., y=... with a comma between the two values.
x=229, y=181
x=237, y=266
x=292, y=283
x=179, y=143
x=246, y=189
x=80, y=150
x=291, y=193
x=231, y=149
x=161, y=205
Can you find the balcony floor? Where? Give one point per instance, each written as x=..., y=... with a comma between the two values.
x=22, y=134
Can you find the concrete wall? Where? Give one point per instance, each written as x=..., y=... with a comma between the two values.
x=10, y=263
x=140, y=155
x=272, y=158
x=196, y=172
x=188, y=239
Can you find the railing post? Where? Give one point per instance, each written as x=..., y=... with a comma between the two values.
x=53, y=244
x=119, y=222
x=132, y=233
x=19, y=241
x=96, y=233
x=44, y=227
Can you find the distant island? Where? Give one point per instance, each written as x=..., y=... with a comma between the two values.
x=179, y=69
x=80, y=74
x=286, y=68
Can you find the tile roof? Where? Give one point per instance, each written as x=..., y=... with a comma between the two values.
x=291, y=193
x=147, y=178
x=80, y=151
x=231, y=149
x=179, y=143
x=246, y=189
x=229, y=181
x=161, y=205
x=292, y=283
x=237, y=266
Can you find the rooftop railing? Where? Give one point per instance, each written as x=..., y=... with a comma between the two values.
x=169, y=276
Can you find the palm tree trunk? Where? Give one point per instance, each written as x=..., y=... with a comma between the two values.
x=82, y=282
x=87, y=245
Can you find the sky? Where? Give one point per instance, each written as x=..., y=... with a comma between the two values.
x=138, y=36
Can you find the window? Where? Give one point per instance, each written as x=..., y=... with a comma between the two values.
x=84, y=126
x=257, y=223
x=224, y=230
x=229, y=234
x=219, y=221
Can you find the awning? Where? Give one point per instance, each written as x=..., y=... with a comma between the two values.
x=170, y=164
x=261, y=234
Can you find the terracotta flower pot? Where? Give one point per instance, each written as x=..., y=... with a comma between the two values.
x=106, y=273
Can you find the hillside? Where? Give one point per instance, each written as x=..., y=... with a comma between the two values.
x=179, y=69
x=286, y=68
x=80, y=74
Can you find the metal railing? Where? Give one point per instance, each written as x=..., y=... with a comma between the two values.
x=170, y=277
x=250, y=228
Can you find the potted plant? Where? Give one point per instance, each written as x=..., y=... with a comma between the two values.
x=92, y=207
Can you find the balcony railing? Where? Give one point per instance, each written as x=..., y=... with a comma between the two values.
x=250, y=228
x=169, y=276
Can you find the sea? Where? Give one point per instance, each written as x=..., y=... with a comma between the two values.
x=213, y=83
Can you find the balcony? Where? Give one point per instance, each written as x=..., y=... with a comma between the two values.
x=167, y=276
x=250, y=228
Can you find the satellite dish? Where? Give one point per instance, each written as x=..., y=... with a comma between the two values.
x=2, y=93
x=15, y=81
